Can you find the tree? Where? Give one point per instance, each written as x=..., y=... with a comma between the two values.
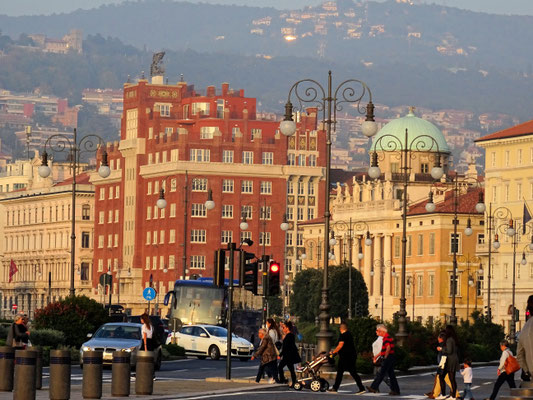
x=307, y=289
x=74, y=316
x=275, y=305
x=305, y=297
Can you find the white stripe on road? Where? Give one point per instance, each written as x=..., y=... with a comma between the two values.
x=475, y=387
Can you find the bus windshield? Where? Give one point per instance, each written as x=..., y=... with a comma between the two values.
x=198, y=304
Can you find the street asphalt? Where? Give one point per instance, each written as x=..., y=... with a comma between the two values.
x=196, y=379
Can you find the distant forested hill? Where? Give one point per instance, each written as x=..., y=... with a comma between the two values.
x=107, y=62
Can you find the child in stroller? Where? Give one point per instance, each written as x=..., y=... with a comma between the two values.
x=310, y=374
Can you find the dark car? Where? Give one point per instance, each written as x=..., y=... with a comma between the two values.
x=160, y=329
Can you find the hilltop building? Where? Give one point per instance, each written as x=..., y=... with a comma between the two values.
x=73, y=41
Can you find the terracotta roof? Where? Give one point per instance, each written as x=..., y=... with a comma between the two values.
x=519, y=130
x=343, y=176
x=466, y=204
x=81, y=179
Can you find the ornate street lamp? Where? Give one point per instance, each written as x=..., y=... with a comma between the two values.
x=457, y=184
x=388, y=143
x=350, y=228
x=329, y=101
x=161, y=203
x=61, y=143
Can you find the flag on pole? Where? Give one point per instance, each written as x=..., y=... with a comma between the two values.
x=12, y=270
x=526, y=218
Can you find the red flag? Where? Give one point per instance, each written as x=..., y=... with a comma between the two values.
x=12, y=270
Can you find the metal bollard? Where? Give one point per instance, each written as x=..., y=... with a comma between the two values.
x=7, y=366
x=39, y=369
x=25, y=361
x=59, y=374
x=120, y=375
x=144, y=379
x=92, y=374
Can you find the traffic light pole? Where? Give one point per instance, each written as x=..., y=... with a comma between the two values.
x=231, y=248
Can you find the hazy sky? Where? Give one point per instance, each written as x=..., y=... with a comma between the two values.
x=32, y=7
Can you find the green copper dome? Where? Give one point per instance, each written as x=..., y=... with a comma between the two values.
x=392, y=136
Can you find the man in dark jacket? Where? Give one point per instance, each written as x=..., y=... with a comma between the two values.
x=347, y=358
x=267, y=352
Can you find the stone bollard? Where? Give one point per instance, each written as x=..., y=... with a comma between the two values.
x=59, y=374
x=92, y=374
x=24, y=388
x=7, y=366
x=39, y=369
x=120, y=375
x=144, y=379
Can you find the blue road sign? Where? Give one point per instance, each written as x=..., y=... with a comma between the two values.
x=149, y=293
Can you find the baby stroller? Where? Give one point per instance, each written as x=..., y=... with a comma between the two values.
x=310, y=374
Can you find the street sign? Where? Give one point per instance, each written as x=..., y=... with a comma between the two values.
x=14, y=307
x=149, y=293
x=106, y=279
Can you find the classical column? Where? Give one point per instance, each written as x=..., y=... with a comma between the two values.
x=376, y=264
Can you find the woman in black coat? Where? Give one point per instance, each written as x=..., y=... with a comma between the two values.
x=289, y=354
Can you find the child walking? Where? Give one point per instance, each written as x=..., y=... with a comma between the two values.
x=467, y=377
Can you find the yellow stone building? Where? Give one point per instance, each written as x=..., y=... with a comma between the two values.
x=509, y=184
x=36, y=223
x=376, y=207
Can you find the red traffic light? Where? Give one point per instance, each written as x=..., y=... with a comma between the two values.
x=274, y=267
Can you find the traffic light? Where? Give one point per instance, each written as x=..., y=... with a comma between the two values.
x=219, y=270
x=244, y=257
x=273, y=279
x=249, y=280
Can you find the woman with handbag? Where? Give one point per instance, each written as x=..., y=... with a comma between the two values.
x=289, y=354
x=450, y=365
x=508, y=366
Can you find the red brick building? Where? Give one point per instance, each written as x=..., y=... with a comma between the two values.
x=174, y=138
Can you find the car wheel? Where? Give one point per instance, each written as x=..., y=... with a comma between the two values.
x=201, y=357
x=214, y=352
x=157, y=365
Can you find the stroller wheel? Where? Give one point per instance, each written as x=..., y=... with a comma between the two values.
x=315, y=385
x=324, y=385
x=297, y=386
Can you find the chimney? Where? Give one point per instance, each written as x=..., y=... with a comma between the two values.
x=225, y=88
x=210, y=91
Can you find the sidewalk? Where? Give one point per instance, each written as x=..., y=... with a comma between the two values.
x=162, y=390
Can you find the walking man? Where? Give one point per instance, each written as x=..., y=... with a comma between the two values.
x=524, y=353
x=347, y=358
x=387, y=364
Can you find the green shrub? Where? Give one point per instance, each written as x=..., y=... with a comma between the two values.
x=404, y=361
x=2, y=342
x=74, y=316
x=308, y=331
x=3, y=331
x=47, y=337
x=174, y=349
x=364, y=363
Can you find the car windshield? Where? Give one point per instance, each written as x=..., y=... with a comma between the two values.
x=118, y=332
x=216, y=331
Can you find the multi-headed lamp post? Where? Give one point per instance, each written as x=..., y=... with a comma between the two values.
x=468, y=259
x=499, y=213
x=328, y=101
x=88, y=144
x=404, y=148
x=161, y=203
x=457, y=185
x=350, y=228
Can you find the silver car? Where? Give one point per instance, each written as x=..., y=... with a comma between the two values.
x=117, y=336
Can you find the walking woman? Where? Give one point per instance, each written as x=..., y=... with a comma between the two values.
x=274, y=332
x=502, y=375
x=449, y=349
x=289, y=354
